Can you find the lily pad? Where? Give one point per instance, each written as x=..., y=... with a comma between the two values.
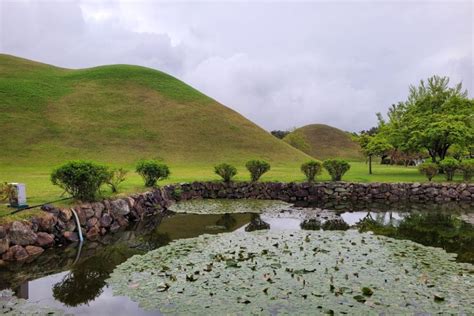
x=11, y=305
x=293, y=272
x=223, y=206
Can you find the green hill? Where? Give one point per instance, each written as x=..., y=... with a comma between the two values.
x=119, y=114
x=323, y=142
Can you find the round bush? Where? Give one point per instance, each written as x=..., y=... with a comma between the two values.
x=311, y=169
x=429, y=169
x=226, y=171
x=152, y=171
x=81, y=179
x=336, y=168
x=449, y=166
x=257, y=168
x=467, y=169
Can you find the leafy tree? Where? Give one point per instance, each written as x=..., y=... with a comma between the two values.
x=226, y=171
x=116, y=177
x=336, y=168
x=279, y=134
x=467, y=169
x=7, y=192
x=257, y=168
x=430, y=169
x=449, y=166
x=81, y=179
x=152, y=171
x=434, y=118
x=311, y=169
x=374, y=146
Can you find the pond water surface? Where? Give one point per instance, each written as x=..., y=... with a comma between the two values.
x=75, y=279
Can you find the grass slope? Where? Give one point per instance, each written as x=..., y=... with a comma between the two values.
x=323, y=142
x=120, y=114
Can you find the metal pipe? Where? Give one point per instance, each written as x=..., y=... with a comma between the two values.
x=78, y=225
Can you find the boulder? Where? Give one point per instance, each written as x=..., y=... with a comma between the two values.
x=21, y=234
x=34, y=250
x=46, y=222
x=256, y=224
x=65, y=214
x=3, y=232
x=91, y=222
x=98, y=209
x=4, y=245
x=45, y=240
x=93, y=233
x=71, y=236
x=106, y=220
x=15, y=253
x=119, y=207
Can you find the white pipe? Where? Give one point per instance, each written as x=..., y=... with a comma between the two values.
x=78, y=225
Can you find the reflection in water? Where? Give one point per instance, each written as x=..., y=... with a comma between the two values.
x=82, y=287
x=435, y=229
x=87, y=277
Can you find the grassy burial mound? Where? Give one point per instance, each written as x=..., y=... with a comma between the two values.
x=323, y=142
x=119, y=114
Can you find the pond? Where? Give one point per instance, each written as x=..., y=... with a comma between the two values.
x=254, y=257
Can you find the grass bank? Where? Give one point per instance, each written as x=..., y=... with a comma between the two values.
x=40, y=190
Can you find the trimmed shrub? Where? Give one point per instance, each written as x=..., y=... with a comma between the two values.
x=117, y=176
x=152, y=171
x=336, y=168
x=449, y=166
x=467, y=169
x=257, y=168
x=311, y=169
x=81, y=179
x=429, y=169
x=226, y=171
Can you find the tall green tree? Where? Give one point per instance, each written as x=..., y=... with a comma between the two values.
x=372, y=146
x=433, y=118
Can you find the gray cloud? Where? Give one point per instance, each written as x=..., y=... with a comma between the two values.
x=280, y=64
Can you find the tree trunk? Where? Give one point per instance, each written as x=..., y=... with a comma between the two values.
x=370, y=164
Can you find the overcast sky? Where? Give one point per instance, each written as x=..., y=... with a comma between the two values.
x=281, y=64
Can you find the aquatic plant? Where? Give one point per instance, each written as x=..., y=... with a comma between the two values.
x=296, y=272
x=223, y=206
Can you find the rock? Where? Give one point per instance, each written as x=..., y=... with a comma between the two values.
x=98, y=209
x=81, y=215
x=256, y=224
x=89, y=212
x=91, y=222
x=3, y=232
x=34, y=251
x=121, y=220
x=71, y=236
x=106, y=220
x=21, y=234
x=65, y=214
x=46, y=222
x=50, y=209
x=114, y=227
x=119, y=207
x=15, y=253
x=93, y=233
x=45, y=240
x=4, y=245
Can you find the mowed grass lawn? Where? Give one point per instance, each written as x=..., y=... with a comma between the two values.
x=40, y=190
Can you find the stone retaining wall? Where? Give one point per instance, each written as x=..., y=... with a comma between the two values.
x=22, y=241
x=322, y=191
